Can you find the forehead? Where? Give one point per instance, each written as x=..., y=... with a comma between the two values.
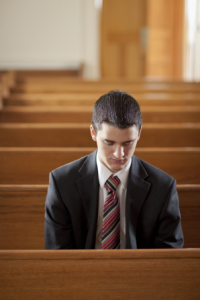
x=110, y=132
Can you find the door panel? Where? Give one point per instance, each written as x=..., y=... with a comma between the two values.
x=122, y=53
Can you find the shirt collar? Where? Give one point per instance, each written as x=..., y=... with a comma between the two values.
x=104, y=173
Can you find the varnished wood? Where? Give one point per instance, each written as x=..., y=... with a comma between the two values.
x=121, y=49
x=83, y=114
x=22, y=215
x=165, y=23
x=1, y=97
x=78, y=135
x=99, y=87
x=178, y=37
x=101, y=255
x=35, y=75
x=7, y=81
x=32, y=165
x=85, y=99
x=49, y=114
x=4, y=88
x=189, y=201
x=146, y=274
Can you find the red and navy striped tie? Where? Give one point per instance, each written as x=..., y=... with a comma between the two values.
x=111, y=216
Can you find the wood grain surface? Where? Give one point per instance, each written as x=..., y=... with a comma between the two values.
x=83, y=114
x=74, y=99
x=91, y=274
x=32, y=165
x=78, y=135
x=22, y=215
x=51, y=86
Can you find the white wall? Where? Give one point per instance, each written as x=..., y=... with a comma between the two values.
x=192, y=40
x=49, y=34
x=91, y=40
x=197, y=44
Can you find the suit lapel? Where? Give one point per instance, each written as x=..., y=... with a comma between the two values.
x=137, y=190
x=88, y=186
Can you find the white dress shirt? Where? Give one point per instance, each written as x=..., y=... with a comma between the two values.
x=104, y=173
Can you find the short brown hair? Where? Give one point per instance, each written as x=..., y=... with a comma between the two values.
x=116, y=108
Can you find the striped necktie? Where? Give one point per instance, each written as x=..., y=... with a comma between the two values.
x=111, y=216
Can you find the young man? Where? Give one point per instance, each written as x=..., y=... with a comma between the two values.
x=111, y=199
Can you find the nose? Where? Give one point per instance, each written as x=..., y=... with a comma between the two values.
x=119, y=152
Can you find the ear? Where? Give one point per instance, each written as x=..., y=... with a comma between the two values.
x=139, y=133
x=93, y=133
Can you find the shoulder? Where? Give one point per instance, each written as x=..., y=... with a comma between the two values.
x=161, y=184
x=155, y=174
x=69, y=170
x=66, y=177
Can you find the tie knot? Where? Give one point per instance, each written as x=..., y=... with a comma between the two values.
x=112, y=183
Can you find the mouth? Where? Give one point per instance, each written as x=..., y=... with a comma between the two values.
x=118, y=161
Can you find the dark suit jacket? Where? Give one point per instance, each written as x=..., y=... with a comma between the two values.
x=152, y=208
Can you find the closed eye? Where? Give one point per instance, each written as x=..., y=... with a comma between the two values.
x=128, y=143
x=109, y=143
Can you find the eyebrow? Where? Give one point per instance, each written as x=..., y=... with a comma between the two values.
x=109, y=141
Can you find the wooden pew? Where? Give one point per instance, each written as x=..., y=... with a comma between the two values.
x=7, y=81
x=9, y=77
x=46, y=75
x=85, y=99
x=78, y=135
x=53, y=86
x=32, y=165
x=35, y=76
x=22, y=215
x=1, y=97
x=81, y=114
x=90, y=274
x=189, y=201
x=64, y=76
x=54, y=114
x=4, y=89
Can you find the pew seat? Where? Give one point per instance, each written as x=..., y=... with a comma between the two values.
x=107, y=274
x=78, y=135
x=32, y=165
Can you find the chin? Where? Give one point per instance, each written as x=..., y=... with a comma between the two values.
x=115, y=169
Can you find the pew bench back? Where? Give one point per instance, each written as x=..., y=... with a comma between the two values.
x=83, y=114
x=32, y=165
x=90, y=274
x=22, y=215
x=78, y=135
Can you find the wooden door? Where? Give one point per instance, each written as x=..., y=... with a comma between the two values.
x=165, y=38
x=122, y=39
